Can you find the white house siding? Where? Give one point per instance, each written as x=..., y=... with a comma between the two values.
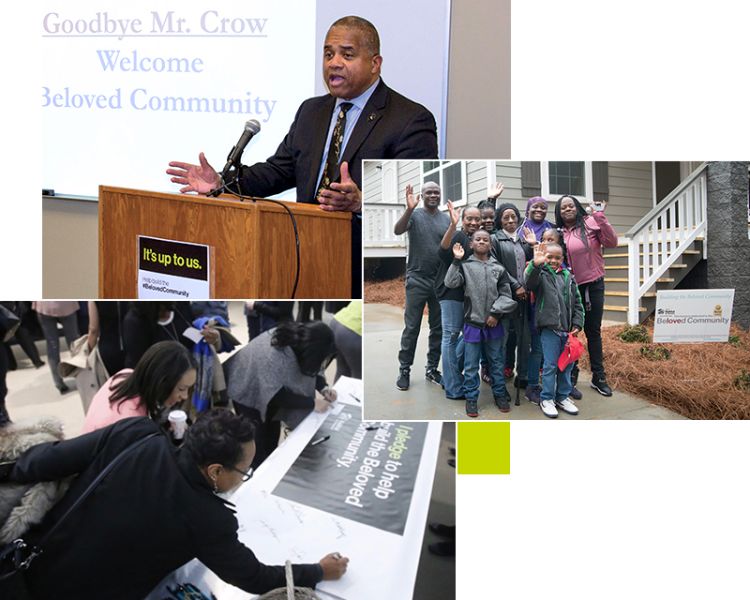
x=379, y=175
x=630, y=193
x=372, y=187
x=476, y=181
x=409, y=172
x=510, y=174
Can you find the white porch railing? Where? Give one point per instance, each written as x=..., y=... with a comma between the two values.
x=379, y=219
x=660, y=238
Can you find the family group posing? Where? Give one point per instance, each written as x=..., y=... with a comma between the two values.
x=504, y=292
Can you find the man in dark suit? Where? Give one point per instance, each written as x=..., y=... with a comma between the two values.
x=370, y=121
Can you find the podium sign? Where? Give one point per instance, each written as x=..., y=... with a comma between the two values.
x=172, y=269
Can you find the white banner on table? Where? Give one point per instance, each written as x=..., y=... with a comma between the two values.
x=693, y=315
x=383, y=564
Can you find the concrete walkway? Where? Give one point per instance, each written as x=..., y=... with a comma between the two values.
x=423, y=400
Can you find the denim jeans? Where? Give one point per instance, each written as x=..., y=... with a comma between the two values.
x=535, y=357
x=452, y=317
x=555, y=383
x=49, y=329
x=495, y=352
x=510, y=345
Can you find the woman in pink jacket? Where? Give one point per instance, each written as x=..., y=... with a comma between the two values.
x=161, y=380
x=584, y=236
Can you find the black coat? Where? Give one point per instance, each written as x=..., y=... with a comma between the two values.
x=151, y=515
x=503, y=249
x=390, y=126
x=139, y=334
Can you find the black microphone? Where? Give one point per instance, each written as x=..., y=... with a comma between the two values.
x=251, y=128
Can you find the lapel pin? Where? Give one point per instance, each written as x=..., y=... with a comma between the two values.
x=371, y=117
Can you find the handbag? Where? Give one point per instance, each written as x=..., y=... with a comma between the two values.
x=572, y=351
x=17, y=556
x=9, y=322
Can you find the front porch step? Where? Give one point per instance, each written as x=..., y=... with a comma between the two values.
x=625, y=267
x=622, y=309
x=626, y=255
x=625, y=294
x=625, y=280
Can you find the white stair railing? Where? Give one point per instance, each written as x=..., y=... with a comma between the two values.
x=664, y=234
x=379, y=220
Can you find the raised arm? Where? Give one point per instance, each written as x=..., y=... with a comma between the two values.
x=412, y=200
x=607, y=235
x=445, y=243
x=494, y=192
x=534, y=268
x=454, y=277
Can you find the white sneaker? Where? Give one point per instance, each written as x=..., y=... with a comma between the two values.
x=548, y=408
x=567, y=406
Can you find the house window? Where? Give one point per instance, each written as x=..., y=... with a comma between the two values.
x=567, y=178
x=561, y=178
x=450, y=175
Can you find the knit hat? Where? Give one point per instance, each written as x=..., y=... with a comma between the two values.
x=501, y=209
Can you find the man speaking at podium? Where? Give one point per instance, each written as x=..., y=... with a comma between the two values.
x=361, y=118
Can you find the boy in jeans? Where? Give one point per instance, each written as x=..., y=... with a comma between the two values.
x=559, y=313
x=487, y=298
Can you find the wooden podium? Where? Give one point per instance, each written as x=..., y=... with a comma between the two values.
x=252, y=244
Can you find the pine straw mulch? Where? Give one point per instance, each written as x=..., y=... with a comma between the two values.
x=391, y=292
x=698, y=380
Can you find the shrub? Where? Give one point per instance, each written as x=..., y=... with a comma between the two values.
x=742, y=381
x=655, y=352
x=634, y=333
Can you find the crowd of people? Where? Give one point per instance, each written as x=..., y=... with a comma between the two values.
x=152, y=357
x=504, y=293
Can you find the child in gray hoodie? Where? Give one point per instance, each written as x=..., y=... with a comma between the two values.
x=487, y=300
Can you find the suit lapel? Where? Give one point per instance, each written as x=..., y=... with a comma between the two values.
x=321, y=132
x=371, y=114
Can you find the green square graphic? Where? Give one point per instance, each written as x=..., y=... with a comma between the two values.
x=483, y=448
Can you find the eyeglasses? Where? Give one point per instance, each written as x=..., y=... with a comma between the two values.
x=245, y=474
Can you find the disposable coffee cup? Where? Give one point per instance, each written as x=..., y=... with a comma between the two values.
x=178, y=423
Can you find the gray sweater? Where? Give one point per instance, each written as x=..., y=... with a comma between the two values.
x=259, y=370
x=486, y=289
